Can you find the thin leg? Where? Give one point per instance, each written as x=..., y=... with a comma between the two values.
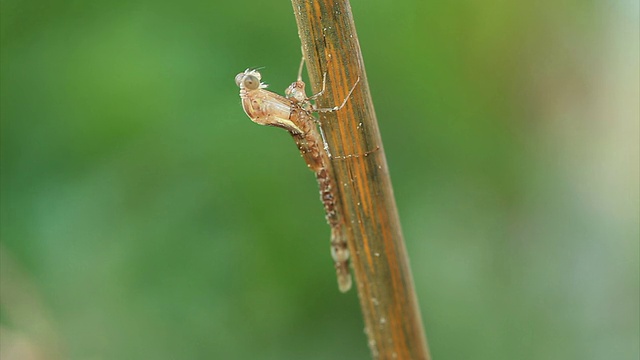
x=324, y=80
x=324, y=140
x=343, y=157
x=336, y=108
x=300, y=70
x=324, y=84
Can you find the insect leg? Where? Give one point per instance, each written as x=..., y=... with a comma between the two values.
x=324, y=83
x=336, y=108
x=351, y=156
x=300, y=69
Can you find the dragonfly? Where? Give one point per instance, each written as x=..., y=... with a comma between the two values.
x=294, y=113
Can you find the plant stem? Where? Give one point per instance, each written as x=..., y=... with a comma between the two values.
x=378, y=255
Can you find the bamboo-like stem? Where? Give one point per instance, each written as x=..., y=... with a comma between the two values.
x=379, y=259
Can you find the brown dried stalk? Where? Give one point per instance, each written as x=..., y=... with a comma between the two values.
x=378, y=255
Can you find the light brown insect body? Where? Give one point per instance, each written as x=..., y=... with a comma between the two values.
x=294, y=114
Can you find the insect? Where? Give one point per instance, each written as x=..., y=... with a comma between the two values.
x=294, y=114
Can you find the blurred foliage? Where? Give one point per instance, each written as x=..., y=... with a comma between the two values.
x=143, y=216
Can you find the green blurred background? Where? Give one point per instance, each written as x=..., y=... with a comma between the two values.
x=144, y=216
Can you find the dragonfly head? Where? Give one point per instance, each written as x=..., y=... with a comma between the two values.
x=249, y=80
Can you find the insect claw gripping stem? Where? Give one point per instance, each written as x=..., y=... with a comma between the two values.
x=294, y=114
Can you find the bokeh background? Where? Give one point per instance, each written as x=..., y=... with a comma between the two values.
x=144, y=216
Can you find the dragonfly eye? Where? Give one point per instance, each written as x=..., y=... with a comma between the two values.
x=239, y=78
x=251, y=82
